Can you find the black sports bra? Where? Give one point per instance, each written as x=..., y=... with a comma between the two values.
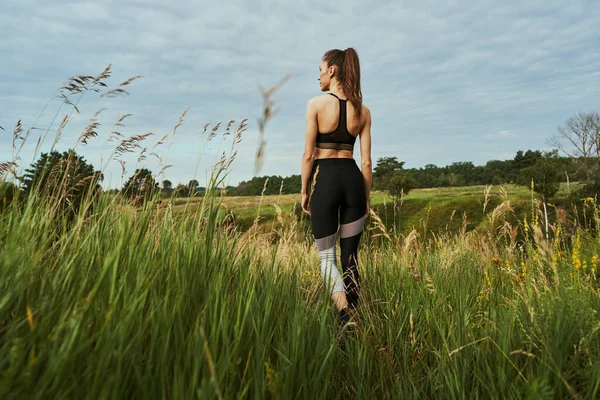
x=340, y=138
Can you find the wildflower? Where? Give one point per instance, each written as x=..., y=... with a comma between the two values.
x=562, y=254
x=575, y=259
x=497, y=262
x=523, y=270
x=532, y=185
x=487, y=278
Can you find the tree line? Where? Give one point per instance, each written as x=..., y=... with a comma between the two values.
x=68, y=177
x=546, y=168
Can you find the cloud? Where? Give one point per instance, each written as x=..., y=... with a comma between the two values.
x=459, y=81
x=502, y=135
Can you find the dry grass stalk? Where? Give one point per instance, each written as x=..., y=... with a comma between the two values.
x=8, y=167
x=268, y=113
x=59, y=132
x=123, y=170
x=179, y=121
x=90, y=131
x=142, y=157
x=17, y=135
x=119, y=89
x=130, y=144
x=486, y=193
x=97, y=113
x=378, y=225
x=410, y=242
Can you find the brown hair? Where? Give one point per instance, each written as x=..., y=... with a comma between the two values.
x=348, y=73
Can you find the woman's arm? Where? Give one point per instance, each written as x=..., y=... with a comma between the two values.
x=309, y=150
x=365, y=155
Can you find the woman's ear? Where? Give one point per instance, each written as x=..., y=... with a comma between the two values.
x=331, y=71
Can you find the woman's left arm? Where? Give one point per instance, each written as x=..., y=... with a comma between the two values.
x=309, y=150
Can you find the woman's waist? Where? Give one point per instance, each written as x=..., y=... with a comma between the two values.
x=336, y=166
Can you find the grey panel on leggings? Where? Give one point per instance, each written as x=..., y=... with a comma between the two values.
x=352, y=228
x=326, y=243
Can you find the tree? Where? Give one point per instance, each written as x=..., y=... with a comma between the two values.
x=193, y=187
x=582, y=132
x=167, y=187
x=65, y=178
x=181, y=190
x=545, y=174
x=524, y=160
x=140, y=187
x=383, y=171
x=401, y=182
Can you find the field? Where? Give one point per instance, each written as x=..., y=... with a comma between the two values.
x=480, y=292
x=185, y=299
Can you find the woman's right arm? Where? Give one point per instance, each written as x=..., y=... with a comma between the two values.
x=309, y=151
x=365, y=154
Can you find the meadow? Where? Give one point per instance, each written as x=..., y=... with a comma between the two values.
x=141, y=303
x=466, y=292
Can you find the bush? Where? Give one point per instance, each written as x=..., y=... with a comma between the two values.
x=140, y=187
x=8, y=193
x=65, y=179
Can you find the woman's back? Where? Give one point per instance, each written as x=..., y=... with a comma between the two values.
x=329, y=112
x=330, y=115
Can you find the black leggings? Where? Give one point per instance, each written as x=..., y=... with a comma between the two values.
x=339, y=198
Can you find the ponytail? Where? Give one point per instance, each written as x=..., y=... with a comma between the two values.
x=351, y=83
x=348, y=74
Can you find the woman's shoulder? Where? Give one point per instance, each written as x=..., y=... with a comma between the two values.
x=320, y=99
x=366, y=112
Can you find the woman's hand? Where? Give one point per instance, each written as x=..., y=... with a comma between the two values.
x=304, y=203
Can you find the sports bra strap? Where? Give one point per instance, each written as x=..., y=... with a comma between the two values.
x=337, y=97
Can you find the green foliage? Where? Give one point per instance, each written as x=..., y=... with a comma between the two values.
x=140, y=187
x=385, y=168
x=128, y=306
x=545, y=174
x=495, y=172
x=65, y=179
x=275, y=184
x=401, y=182
x=8, y=193
x=181, y=190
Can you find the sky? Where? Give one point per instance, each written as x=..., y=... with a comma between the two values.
x=446, y=82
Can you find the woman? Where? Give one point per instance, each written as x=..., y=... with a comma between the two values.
x=333, y=121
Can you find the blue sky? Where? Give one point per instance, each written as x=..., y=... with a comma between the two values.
x=446, y=81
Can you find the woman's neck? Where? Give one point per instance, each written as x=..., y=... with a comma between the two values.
x=336, y=89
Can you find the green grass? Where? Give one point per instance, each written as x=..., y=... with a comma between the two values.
x=146, y=304
x=429, y=211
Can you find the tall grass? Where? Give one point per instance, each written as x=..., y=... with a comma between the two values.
x=132, y=302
